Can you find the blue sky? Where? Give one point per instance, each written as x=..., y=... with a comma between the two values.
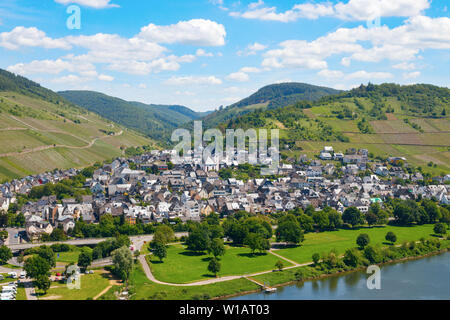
x=207, y=53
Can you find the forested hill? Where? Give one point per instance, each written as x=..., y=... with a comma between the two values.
x=417, y=99
x=283, y=94
x=269, y=97
x=155, y=121
x=15, y=83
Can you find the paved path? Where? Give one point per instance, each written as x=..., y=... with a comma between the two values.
x=286, y=259
x=29, y=290
x=103, y=292
x=152, y=278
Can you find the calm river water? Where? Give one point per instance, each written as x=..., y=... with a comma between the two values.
x=427, y=278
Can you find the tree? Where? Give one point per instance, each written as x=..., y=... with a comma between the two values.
x=373, y=254
x=440, y=228
x=316, y=258
x=335, y=219
x=85, y=259
x=353, y=216
x=164, y=233
x=352, y=257
x=198, y=240
x=160, y=250
x=371, y=218
x=321, y=220
x=236, y=231
x=214, y=266
x=257, y=243
x=37, y=266
x=279, y=265
x=432, y=210
x=406, y=212
x=363, y=240
x=289, y=230
x=42, y=282
x=123, y=262
x=5, y=254
x=48, y=254
x=391, y=237
x=3, y=235
x=217, y=248
x=306, y=222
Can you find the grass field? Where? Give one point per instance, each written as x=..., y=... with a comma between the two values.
x=68, y=257
x=341, y=240
x=182, y=266
x=146, y=290
x=91, y=286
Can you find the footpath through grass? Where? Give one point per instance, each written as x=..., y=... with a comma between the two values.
x=147, y=290
x=341, y=240
x=182, y=266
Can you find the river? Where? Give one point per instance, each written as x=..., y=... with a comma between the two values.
x=424, y=279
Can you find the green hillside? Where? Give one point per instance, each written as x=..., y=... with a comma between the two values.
x=155, y=121
x=389, y=120
x=269, y=97
x=41, y=131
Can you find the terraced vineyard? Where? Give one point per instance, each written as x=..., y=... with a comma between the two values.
x=37, y=135
x=411, y=122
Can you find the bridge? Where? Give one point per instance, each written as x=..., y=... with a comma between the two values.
x=137, y=241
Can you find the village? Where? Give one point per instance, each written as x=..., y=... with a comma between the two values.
x=149, y=188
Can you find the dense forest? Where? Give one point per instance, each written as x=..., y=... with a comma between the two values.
x=269, y=97
x=155, y=121
x=418, y=99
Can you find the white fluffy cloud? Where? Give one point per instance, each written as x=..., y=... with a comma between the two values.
x=252, y=49
x=104, y=77
x=353, y=10
x=195, y=80
x=401, y=44
x=411, y=75
x=97, y=4
x=238, y=76
x=369, y=75
x=141, y=54
x=52, y=67
x=362, y=74
x=193, y=32
x=30, y=37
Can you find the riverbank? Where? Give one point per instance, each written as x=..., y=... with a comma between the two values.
x=291, y=277
x=145, y=288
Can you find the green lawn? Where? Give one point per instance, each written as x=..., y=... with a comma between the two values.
x=21, y=295
x=6, y=278
x=182, y=266
x=146, y=290
x=68, y=257
x=340, y=240
x=91, y=286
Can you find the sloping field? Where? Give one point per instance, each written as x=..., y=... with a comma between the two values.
x=38, y=136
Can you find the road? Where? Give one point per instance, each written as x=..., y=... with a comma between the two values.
x=138, y=242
